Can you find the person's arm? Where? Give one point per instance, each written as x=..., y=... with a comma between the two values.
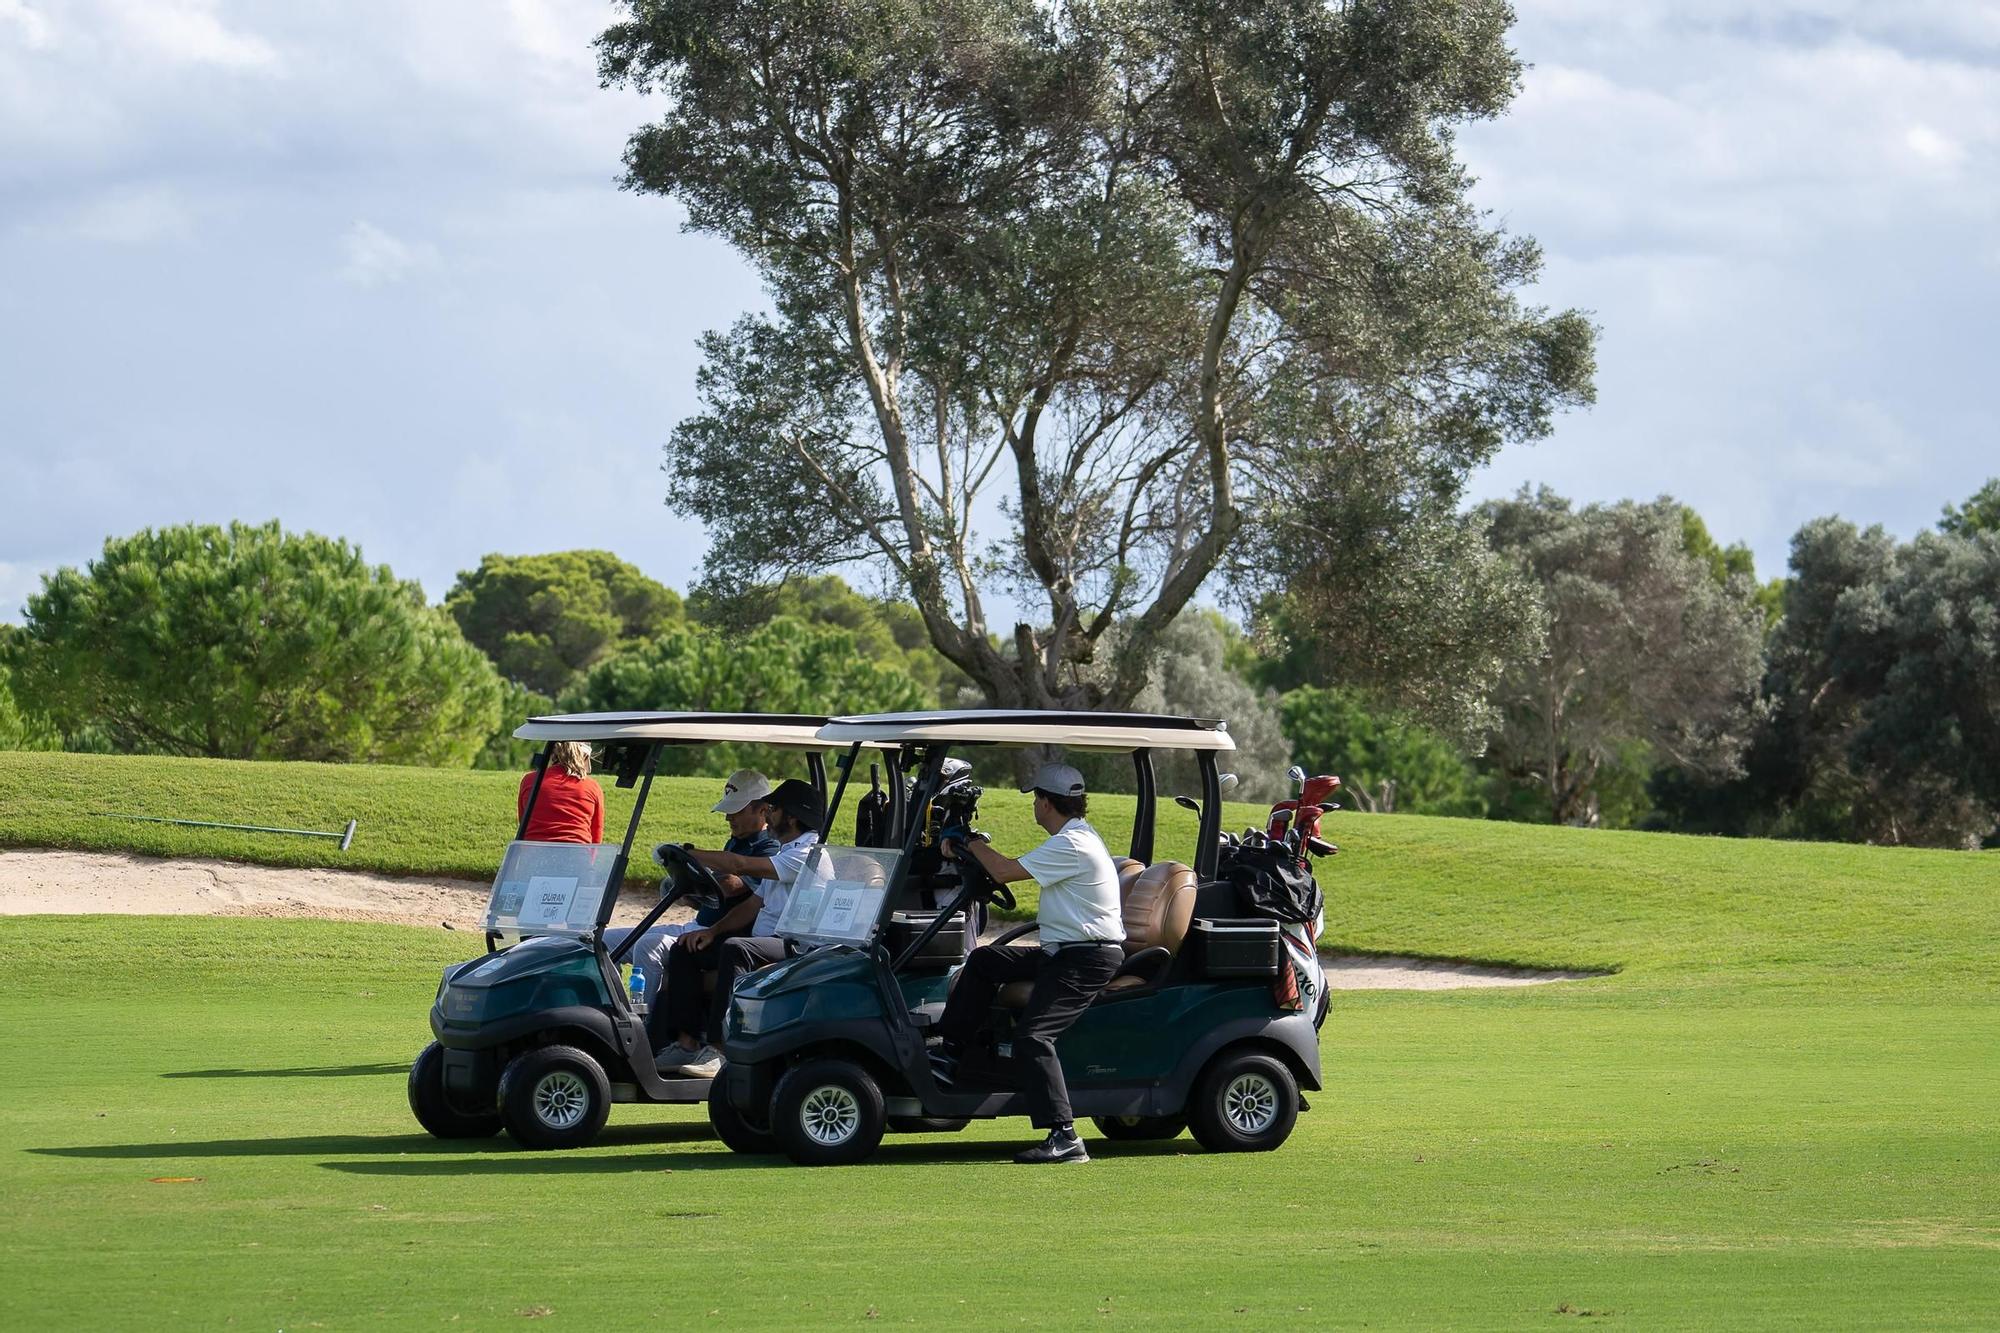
x=1004, y=869
x=741, y=913
x=596, y=813
x=521, y=797
x=733, y=863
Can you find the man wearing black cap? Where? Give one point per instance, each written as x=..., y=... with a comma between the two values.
x=796, y=813
x=1082, y=930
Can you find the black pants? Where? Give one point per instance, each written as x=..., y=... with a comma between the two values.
x=1066, y=981
x=684, y=1008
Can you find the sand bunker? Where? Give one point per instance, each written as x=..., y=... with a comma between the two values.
x=88, y=883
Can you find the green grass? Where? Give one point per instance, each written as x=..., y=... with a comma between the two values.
x=1779, y=1112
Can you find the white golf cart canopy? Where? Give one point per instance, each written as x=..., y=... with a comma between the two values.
x=1075, y=731
x=796, y=730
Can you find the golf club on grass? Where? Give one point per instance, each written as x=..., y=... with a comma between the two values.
x=345, y=836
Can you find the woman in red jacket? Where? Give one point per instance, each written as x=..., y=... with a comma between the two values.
x=570, y=806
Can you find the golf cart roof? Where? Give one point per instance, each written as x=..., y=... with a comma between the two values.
x=797, y=730
x=1075, y=731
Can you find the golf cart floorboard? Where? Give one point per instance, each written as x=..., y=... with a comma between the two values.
x=663, y=1091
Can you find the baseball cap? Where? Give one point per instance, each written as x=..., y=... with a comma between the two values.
x=744, y=786
x=800, y=801
x=1058, y=779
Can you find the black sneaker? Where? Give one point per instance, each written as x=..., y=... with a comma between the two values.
x=1062, y=1145
x=944, y=1068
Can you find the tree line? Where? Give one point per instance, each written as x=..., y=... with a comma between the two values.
x=1635, y=672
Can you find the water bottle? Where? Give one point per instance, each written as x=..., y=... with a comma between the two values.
x=638, y=991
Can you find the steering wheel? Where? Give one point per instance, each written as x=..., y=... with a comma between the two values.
x=691, y=877
x=989, y=888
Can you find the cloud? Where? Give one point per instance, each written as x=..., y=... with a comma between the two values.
x=134, y=215
x=188, y=32
x=374, y=258
x=31, y=28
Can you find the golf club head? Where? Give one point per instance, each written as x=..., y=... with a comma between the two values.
x=1296, y=776
x=1227, y=781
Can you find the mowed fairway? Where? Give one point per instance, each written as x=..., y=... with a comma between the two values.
x=1781, y=1111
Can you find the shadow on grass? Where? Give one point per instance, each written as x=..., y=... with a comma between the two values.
x=718, y=1158
x=303, y=1071
x=470, y=1151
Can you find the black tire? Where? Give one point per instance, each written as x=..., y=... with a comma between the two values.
x=1139, y=1128
x=433, y=1107
x=554, y=1097
x=925, y=1124
x=737, y=1132
x=1245, y=1101
x=827, y=1112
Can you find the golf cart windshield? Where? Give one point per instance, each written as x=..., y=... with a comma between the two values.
x=837, y=898
x=552, y=888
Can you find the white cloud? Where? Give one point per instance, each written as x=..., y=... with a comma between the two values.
x=189, y=32
x=374, y=258
x=29, y=26
x=136, y=215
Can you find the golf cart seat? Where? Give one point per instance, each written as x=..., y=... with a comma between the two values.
x=1158, y=905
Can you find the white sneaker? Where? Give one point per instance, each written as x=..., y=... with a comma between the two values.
x=704, y=1063
x=673, y=1055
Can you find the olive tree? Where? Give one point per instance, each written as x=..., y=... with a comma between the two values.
x=1645, y=650
x=1885, y=676
x=1061, y=294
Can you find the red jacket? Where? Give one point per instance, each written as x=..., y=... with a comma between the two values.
x=567, y=809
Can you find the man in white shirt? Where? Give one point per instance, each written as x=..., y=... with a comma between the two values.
x=1082, y=932
x=796, y=812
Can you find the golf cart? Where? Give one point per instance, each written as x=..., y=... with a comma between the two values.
x=540, y=1036
x=827, y=1050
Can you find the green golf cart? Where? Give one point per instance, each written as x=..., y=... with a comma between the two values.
x=540, y=1037
x=827, y=1051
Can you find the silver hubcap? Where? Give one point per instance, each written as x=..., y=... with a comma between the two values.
x=830, y=1115
x=1251, y=1103
x=561, y=1099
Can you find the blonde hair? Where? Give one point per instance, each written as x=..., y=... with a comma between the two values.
x=572, y=757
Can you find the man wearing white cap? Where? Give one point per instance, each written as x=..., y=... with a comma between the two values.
x=742, y=804
x=1082, y=932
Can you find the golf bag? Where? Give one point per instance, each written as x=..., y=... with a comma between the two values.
x=871, y=813
x=1274, y=882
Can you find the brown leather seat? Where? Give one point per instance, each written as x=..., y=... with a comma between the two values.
x=1157, y=902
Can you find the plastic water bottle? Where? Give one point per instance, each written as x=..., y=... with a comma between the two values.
x=638, y=991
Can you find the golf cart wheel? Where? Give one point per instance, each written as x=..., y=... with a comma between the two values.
x=554, y=1097
x=736, y=1130
x=827, y=1113
x=1245, y=1102
x=926, y=1124
x=1139, y=1128
x=432, y=1104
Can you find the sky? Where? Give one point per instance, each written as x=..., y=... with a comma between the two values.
x=363, y=266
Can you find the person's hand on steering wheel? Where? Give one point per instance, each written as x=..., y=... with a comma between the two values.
x=993, y=891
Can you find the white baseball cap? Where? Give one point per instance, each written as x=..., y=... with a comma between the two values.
x=1057, y=779
x=744, y=786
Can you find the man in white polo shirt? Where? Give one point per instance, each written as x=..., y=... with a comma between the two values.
x=1081, y=931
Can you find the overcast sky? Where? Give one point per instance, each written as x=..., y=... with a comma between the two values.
x=361, y=266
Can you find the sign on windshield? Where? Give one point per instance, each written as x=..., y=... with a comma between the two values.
x=551, y=888
x=837, y=898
